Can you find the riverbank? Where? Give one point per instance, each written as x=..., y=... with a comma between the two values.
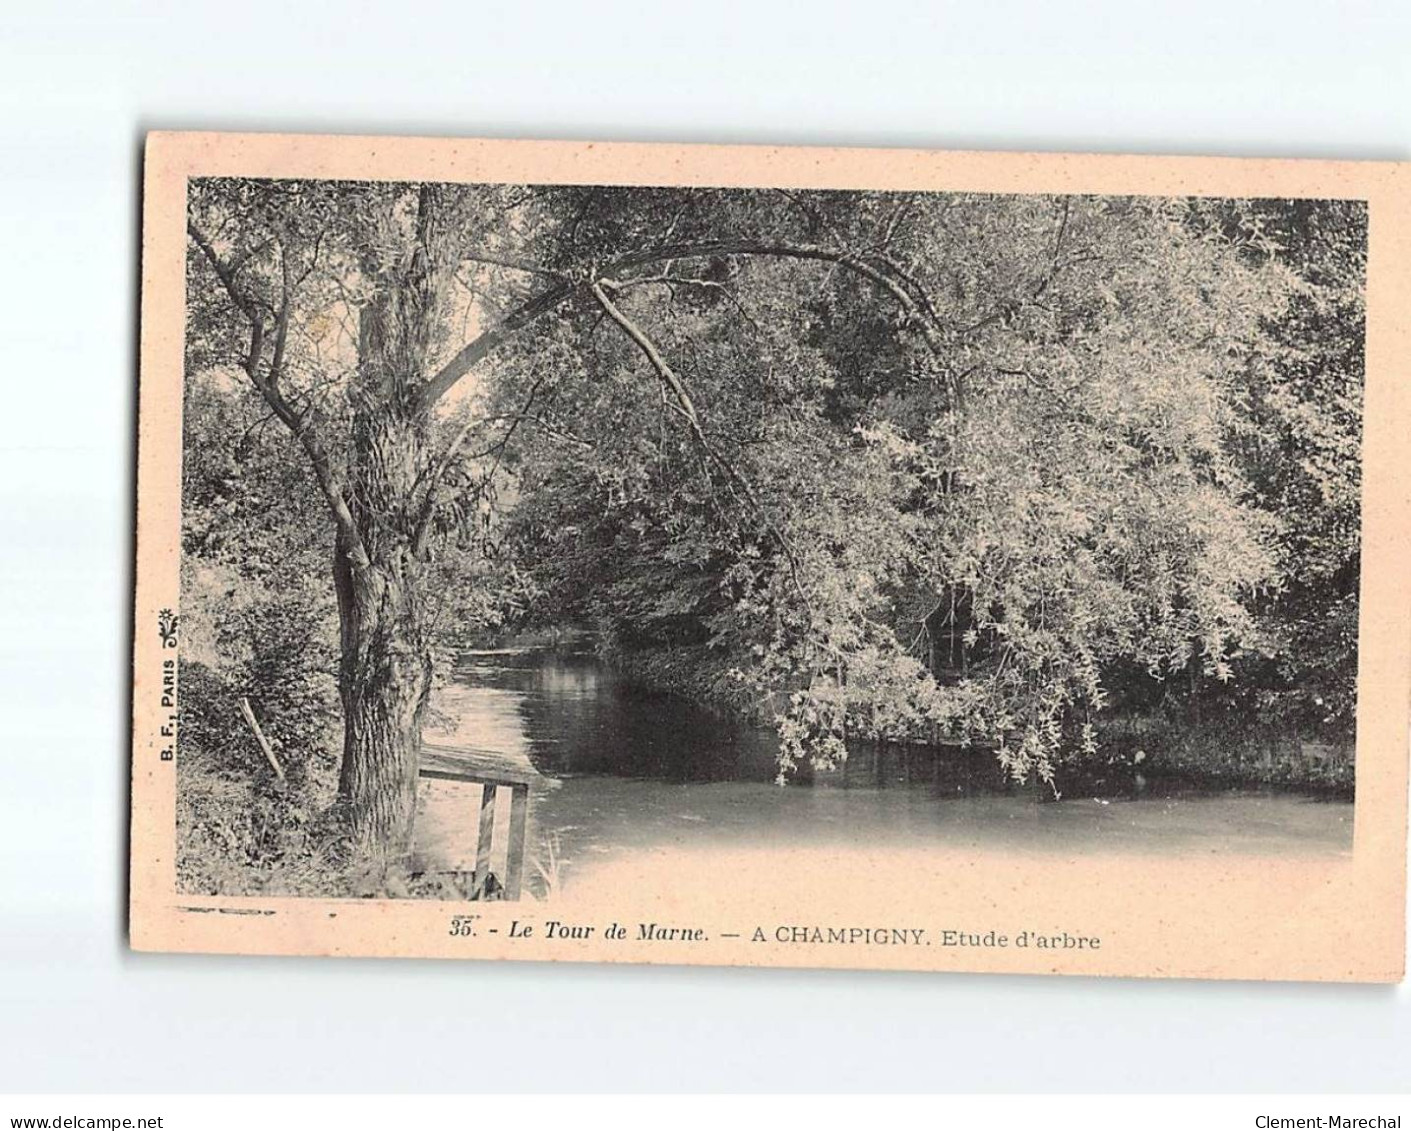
x=1226, y=753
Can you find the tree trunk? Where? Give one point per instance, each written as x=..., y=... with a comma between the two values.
x=386, y=658
x=385, y=676
x=385, y=682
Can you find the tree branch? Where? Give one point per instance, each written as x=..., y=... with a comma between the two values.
x=669, y=379
x=489, y=340
x=301, y=423
x=1057, y=260
x=422, y=537
x=572, y=285
x=510, y=264
x=600, y=288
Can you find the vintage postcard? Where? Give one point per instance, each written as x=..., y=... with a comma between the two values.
x=773, y=557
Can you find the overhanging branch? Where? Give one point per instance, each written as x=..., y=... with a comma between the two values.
x=670, y=380
x=302, y=423
x=888, y=277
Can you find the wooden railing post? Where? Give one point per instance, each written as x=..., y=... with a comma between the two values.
x=492, y=772
x=488, y=790
x=519, y=822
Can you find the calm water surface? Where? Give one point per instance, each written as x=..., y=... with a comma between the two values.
x=629, y=772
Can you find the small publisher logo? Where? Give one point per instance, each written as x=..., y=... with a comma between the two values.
x=167, y=622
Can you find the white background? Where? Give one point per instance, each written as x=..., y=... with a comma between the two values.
x=81, y=82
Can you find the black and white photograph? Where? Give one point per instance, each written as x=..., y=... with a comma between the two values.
x=531, y=530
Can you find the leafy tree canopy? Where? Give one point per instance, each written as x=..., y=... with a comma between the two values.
x=892, y=464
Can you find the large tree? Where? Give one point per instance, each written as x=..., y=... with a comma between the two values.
x=819, y=433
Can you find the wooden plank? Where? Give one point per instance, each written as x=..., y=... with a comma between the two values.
x=463, y=779
x=487, y=834
x=458, y=763
x=519, y=826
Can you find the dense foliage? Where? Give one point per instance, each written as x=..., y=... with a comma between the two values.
x=956, y=468
x=876, y=538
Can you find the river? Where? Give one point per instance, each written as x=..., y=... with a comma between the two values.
x=627, y=772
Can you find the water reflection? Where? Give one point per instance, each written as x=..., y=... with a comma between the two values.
x=578, y=718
